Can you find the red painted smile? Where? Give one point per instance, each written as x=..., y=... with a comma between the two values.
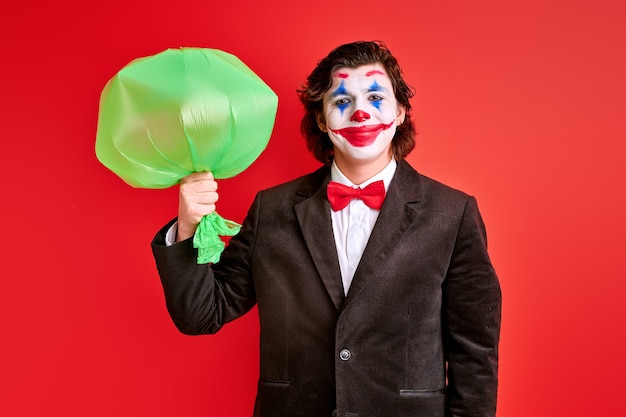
x=360, y=136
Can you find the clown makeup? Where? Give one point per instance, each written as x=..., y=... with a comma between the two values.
x=360, y=113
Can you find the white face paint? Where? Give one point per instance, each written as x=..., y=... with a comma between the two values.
x=360, y=113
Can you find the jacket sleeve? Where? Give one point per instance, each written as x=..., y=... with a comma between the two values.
x=202, y=298
x=471, y=320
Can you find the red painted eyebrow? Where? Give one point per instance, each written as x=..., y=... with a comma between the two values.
x=372, y=72
x=342, y=75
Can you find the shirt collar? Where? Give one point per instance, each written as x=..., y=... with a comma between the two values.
x=386, y=175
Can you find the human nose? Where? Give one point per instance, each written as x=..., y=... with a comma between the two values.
x=359, y=116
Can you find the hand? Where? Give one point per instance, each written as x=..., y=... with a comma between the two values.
x=196, y=198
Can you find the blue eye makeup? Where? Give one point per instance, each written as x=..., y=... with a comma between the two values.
x=342, y=105
x=375, y=100
x=375, y=87
x=341, y=90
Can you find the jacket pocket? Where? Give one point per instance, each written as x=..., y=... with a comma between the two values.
x=273, y=382
x=272, y=398
x=422, y=403
x=421, y=393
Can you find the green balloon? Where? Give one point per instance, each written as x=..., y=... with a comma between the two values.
x=182, y=111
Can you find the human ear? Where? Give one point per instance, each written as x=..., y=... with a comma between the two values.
x=400, y=114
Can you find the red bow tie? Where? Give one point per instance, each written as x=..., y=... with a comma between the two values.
x=340, y=195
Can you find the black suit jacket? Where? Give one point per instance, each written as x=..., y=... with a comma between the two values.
x=417, y=334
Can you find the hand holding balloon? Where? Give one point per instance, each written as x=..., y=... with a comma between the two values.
x=196, y=198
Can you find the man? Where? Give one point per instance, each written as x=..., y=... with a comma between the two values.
x=382, y=305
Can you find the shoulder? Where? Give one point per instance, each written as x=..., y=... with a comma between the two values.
x=301, y=187
x=426, y=189
x=440, y=191
x=444, y=204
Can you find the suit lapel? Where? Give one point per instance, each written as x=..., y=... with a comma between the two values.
x=313, y=214
x=396, y=215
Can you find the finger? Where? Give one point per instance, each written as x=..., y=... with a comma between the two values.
x=198, y=186
x=197, y=176
x=205, y=186
x=207, y=198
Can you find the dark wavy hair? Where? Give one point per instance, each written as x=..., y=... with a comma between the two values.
x=352, y=55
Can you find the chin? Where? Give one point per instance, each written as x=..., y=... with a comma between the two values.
x=364, y=157
x=368, y=153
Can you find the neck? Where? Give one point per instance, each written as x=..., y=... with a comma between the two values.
x=358, y=171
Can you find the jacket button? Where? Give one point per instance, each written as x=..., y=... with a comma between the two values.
x=345, y=354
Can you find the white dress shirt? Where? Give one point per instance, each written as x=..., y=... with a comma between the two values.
x=353, y=225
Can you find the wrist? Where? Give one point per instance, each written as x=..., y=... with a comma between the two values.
x=184, y=233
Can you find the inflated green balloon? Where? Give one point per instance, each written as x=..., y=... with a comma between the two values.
x=181, y=111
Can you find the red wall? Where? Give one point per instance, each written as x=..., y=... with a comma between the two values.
x=521, y=105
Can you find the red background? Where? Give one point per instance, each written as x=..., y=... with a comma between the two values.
x=521, y=105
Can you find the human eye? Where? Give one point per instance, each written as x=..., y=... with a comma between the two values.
x=376, y=98
x=342, y=102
